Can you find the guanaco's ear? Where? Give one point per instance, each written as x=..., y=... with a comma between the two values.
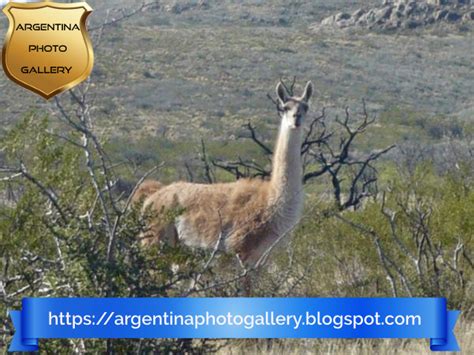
x=281, y=93
x=308, y=92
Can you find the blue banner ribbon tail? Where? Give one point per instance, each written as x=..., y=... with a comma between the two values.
x=450, y=343
x=17, y=341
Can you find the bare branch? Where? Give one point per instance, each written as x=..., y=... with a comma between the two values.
x=124, y=15
x=256, y=140
x=48, y=193
x=207, y=168
x=118, y=218
x=323, y=152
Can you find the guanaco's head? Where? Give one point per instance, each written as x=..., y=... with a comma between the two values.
x=293, y=109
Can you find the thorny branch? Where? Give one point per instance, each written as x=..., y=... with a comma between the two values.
x=124, y=14
x=324, y=151
x=77, y=115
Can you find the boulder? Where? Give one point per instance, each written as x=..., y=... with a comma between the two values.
x=203, y=4
x=392, y=25
x=344, y=23
x=328, y=21
x=453, y=16
x=396, y=15
x=441, y=14
x=407, y=14
x=342, y=16
x=411, y=24
x=401, y=7
x=370, y=16
x=430, y=20
x=468, y=16
x=384, y=13
x=409, y=9
x=357, y=14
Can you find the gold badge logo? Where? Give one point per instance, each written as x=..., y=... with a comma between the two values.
x=47, y=49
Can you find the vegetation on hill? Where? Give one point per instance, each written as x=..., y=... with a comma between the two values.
x=173, y=95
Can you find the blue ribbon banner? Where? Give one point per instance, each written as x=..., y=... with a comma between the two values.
x=48, y=318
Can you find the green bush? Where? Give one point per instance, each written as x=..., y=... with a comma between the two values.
x=54, y=239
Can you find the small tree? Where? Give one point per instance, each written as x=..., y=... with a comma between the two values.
x=327, y=150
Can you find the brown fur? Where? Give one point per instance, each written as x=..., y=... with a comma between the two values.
x=238, y=209
x=146, y=188
x=244, y=217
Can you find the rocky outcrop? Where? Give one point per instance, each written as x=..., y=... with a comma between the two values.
x=404, y=14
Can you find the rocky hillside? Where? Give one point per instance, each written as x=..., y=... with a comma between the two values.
x=186, y=70
x=404, y=14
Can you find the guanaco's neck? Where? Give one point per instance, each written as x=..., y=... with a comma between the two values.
x=287, y=171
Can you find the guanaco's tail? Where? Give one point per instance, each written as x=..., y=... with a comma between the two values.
x=145, y=189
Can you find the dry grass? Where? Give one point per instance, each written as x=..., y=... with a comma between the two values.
x=464, y=334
